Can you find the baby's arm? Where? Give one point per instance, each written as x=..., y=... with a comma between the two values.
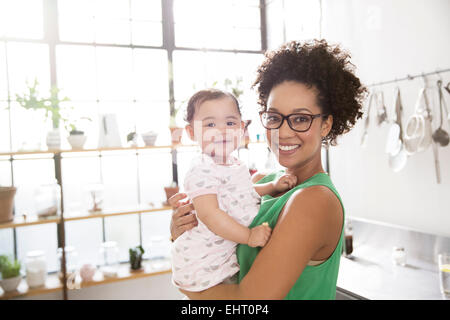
x=285, y=182
x=219, y=222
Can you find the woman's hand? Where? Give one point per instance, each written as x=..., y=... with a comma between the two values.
x=182, y=217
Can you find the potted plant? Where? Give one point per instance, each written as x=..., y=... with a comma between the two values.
x=52, y=108
x=170, y=191
x=176, y=131
x=136, y=254
x=7, y=203
x=132, y=139
x=10, y=270
x=76, y=137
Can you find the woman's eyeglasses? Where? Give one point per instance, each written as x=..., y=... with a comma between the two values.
x=299, y=122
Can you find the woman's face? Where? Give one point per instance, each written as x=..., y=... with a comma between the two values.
x=295, y=149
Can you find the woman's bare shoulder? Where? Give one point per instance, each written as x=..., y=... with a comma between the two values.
x=316, y=202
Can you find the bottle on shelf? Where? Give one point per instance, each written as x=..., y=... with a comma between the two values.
x=348, y=236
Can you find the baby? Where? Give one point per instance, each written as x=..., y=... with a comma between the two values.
x=224, y=198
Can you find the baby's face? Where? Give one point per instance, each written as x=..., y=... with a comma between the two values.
x=217, y=127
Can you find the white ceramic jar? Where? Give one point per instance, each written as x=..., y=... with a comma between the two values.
x=36, y=268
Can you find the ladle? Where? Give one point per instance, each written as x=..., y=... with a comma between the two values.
x=440, y=135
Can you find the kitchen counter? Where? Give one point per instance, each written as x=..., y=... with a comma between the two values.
x=370, y=274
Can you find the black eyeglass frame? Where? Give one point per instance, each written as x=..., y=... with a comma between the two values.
x=283, y=117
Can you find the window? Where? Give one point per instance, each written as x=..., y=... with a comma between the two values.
x=118, y=57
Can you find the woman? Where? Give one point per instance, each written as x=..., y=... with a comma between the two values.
x=309, y=96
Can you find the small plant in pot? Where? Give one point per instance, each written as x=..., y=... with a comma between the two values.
x=76, y=137
x=176, y=131
x=10, y=271
x=170, y=191
x=51, y=105
x=136, y=255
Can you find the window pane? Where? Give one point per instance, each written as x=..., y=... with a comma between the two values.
x=153, y=116
x=29, y=175
x=156, y=226
x=196, y=70
x=5, y=171
x=221, y=18
x=78, y=173
x=112, y=31
x=125, y=114
x=29, y=128
x=119, y=174
x=3, y=79
x=76, y=80
x=26, y=62
x=146, y=10
x=112, y=9
x=86, y=236
x=146, y=33
x=155, y=172
x=17, y=22
x=6, y=242
x=125, y=231
x=76, y=20
x=4, y=127
x=150, y=74
x=40, y=237
x=114, y=67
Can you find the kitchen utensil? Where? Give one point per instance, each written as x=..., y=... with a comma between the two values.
x=381, y=108
x=398, y=160
x=367, y=121
x=440, y=135
x=417, y=137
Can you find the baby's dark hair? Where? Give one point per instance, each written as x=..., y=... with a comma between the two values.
x=327, y=68
x=206, y=95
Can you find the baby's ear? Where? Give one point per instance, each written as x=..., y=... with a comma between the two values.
x=190, y=131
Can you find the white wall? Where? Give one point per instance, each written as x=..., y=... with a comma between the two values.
x=388, y=39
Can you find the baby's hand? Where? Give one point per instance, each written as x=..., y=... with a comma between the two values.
x=285, y=182
x=259, y=235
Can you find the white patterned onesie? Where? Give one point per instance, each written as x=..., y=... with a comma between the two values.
x=200, y=258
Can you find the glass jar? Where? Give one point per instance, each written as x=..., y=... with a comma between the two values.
x=47, y=199
x=109, y=258
x=36, y=268
x=71, y=262
x=95, y=195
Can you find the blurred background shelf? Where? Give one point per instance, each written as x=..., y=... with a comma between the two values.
x=53, y=284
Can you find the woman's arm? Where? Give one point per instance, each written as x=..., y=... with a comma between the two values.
x=306, y=222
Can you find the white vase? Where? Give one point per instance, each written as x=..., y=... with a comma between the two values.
x=77, y=141
x=10, y=284
x=54, y=140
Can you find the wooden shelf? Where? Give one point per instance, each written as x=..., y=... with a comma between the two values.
x=18, y=153
x=31, y=152
x=109, y=213
x=150, y=268
x=20, y=221
x=72, y=216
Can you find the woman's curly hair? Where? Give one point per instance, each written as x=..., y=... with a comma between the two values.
x=316, y=64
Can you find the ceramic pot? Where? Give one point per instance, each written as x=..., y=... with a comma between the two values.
x=10, y=284
x=77, y=141
x=149, y=138
x=54, y=140
x=7, y=203
x=170, y=191
x=176, y=133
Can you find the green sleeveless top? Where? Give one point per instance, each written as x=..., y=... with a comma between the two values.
x=315, y=282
